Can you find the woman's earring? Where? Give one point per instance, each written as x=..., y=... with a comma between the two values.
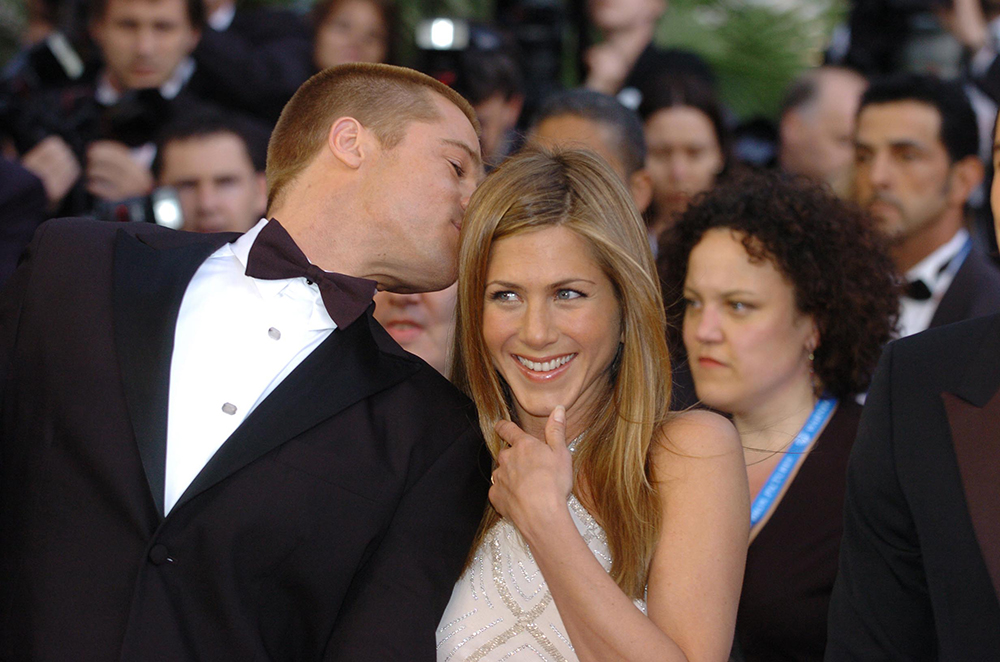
x=816, y=386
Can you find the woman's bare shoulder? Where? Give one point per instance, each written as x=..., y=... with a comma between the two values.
x=698, y=433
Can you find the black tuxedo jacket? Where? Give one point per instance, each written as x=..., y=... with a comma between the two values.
x=974, y=292
x=919, y=575
x=330, y=526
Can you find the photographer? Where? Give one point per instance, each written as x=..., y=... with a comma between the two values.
x=90, y=141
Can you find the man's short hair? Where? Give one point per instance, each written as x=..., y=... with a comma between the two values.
x=382, y=97
x=959, y=129
x=630, y=143
x=203, y=124
x=195, y=11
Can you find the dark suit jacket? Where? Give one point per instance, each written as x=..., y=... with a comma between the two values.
x=256, y=64
x=22, y=209
x=919, y=575
x=330, y=526
x=974, y=292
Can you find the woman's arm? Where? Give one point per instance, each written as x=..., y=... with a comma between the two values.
x=697, y=568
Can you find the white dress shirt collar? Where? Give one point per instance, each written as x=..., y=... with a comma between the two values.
x=931, y=269
x=297, y=288
x=107, y=95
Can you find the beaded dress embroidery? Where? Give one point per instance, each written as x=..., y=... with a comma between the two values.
x=501, y=608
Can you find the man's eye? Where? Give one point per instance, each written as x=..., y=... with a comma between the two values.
x=459, y=170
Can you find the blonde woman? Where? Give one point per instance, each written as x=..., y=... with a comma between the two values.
x=616, y=530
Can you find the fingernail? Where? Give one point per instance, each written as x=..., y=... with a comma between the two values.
x=560, y=414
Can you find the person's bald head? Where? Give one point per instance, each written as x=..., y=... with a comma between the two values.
x=817, y=126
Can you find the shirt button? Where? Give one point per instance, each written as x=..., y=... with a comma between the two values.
x=229, y=408
x=159, y=555
x=273, y=333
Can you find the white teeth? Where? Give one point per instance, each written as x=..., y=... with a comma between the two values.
x=546, y=366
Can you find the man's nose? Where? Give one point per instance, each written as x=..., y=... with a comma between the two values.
x=208, y=198
x=881, y=171
x=145, y=42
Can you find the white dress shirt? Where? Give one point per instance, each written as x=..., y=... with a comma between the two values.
x=236, y=339
x=937, y=271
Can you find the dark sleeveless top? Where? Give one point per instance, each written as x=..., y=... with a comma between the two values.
x=792, y=563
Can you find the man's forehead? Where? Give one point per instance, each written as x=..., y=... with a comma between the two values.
x=900, y=121
x=213, y=151
x=161, y=8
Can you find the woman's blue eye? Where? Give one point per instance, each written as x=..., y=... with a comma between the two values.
x=503, y=295
x=566, y=295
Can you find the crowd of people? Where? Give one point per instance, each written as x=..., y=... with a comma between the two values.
x=438, y=370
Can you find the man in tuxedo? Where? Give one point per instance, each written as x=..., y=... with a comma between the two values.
x=916, y=164
x=209, y=450
x=919, y=574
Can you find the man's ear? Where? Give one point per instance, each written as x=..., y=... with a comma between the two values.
x=640, y=185
x=966, y=175
x=193, y=40
x=348, y=141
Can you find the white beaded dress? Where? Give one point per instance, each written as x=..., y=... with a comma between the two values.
x=502, y=610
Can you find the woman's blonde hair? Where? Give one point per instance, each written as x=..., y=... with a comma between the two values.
x=578, y=191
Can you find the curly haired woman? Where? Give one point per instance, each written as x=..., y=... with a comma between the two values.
x=785, y=297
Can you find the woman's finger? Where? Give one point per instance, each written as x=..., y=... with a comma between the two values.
x=555, y=429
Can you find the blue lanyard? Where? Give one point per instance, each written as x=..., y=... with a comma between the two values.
x=793, y=455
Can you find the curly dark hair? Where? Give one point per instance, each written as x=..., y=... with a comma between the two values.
x=829, y=250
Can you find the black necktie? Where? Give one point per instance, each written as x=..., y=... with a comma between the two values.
x=275, y=256
x=917, y=290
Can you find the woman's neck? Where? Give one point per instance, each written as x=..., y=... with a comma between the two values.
x=771, y=426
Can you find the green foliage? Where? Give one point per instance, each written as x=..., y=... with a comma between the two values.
x=12, y=23
x=755, y=46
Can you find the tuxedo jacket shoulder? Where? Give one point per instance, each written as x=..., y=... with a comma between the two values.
x=974, y=292
x=330, y=526
x=918, y=569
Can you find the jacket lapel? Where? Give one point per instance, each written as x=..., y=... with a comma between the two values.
x=350, y=365
x=974, y=418
x=957, y=300
x=150, y=277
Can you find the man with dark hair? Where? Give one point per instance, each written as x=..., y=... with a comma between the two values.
x=916, y=165
x=101, y=129
x=919, y=575
x=216, y=163
x=209, y=449
x=596, y=121
x=816, y=126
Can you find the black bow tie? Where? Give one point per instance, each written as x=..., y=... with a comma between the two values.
x=275, y=256
x=917, y=290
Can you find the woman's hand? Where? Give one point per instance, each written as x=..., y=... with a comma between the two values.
x=533, y=478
